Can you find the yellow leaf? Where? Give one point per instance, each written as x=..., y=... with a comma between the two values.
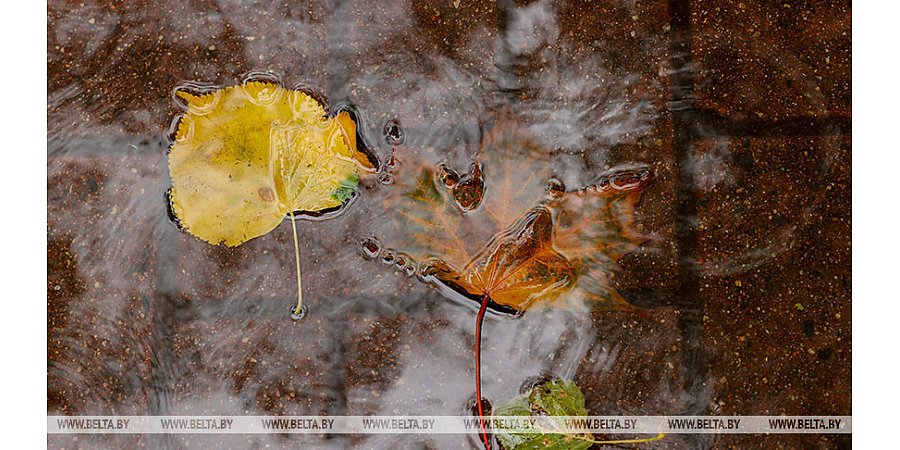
x=246, y=156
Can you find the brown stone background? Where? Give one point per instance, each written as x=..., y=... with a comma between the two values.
x=742, y=108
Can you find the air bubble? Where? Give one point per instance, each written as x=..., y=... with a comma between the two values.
x=266, y=95
x=370, y=247
x=626, y=179
x=426, y=271
x=393, y=132
x=385, y=178
x=181, y=130
x=555, y=188
x=262, y=77
x=401, y=261
x=406, y=264
x=486, y=405
x=447, y=176
x=202, y=90
x=469, y=192
x=391, y=162
x=172, y=132
x=388, y=257
x=297, y=315
x=533, y=382
x=298, y=94
x=170, y=210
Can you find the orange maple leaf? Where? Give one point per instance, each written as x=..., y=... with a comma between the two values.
x=507, y=230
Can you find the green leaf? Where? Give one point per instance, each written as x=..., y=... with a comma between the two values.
x=552, y=398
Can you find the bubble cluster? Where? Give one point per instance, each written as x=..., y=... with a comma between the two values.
x=371, y=249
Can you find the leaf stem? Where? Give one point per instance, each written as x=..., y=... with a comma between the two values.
x=629, y=441
x=299, y=309
x=618, y=441
x=478, y=322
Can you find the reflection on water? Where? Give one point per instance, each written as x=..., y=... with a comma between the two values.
x=145, y=319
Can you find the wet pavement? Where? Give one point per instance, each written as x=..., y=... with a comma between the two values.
x=742, y=110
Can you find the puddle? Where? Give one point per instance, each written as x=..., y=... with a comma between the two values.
x=747, y=215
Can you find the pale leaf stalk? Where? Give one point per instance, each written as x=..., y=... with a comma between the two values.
x=299, y=309
x=619, y=441
x=628, y=441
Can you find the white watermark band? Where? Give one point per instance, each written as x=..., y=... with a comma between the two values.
x=630, y=425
